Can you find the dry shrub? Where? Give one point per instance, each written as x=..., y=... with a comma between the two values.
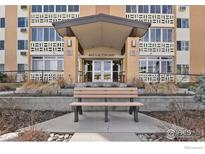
x=11, y=78
x=37, y=87
x=13, y=119
x=137, y=82
x=61, y=82
x=189, y=119
x=5, y=88
x=193, y=120
x=160, y=88
x=52, y=88
x=33, y=135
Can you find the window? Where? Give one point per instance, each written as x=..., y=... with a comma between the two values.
x=48, y=8
x=143, y=67
x=48, y=63
x=45, y=34
x=60, y=64
x=128, y=8
x=156, y=35
x=58, y=37
x=1, y=67
x=167, y=9
x=167, y=35
x=182, y=69
x=153, y=66
x=182, y=8
x=73, y=8
x=182, y=23
x=1, y=44
x=143, y=9
x=156, y=65
x=22, y=22
x=182, y=45
x=166, y=65
x=22, y=67
x=22, y=44
x=155, y=9
x=145, y=38
x=60, y=8
x=131, y=8
x=37, y=63
x=2, y=22
x=36, y=8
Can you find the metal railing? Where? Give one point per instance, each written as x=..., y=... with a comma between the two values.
x=87, y=76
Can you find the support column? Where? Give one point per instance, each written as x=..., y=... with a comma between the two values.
x=70, y=59
x=132, y=59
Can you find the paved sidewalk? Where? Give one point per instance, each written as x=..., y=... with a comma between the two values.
x=104, y=137
x=93, y=122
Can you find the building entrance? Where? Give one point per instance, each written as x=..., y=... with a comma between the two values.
x=102, y=70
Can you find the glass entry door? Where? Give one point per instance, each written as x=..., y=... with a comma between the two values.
x=102, y=70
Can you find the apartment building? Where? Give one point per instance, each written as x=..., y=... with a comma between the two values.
x=103, y=43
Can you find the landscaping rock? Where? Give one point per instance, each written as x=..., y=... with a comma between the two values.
x=61, y=137
x=52, y=135
x=9, y=137
x=50, y=139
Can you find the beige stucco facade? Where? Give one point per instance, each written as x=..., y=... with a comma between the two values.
x=131, y=59
x=11, y=24
x=115, y=10
x=197, y=39
x=70, y=59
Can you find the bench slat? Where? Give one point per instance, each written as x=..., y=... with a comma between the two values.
x=106, y=89
x=106, y=104
x=106, y=96
x=105, y=92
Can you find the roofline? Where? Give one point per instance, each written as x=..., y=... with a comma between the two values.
x=101, y=18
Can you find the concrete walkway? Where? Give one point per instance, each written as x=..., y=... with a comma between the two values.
x=93, y=122
x=104, y=137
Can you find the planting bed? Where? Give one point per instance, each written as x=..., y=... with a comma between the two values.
x=12, y=119
x=193, y=120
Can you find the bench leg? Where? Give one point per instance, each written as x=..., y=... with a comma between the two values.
x=75, y=114
x=106, y=114
x=136, y=109
x=130, y=110
x=80, y=110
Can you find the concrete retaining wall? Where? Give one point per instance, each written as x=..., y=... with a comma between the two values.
x=151, y=103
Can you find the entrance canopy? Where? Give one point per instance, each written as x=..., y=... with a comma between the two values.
x=101, y=30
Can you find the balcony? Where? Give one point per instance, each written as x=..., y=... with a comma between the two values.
x=156, y=48
x=47, y=76
x=157, y=20
x=150, y=77
x=46, y=48
x=45, y=19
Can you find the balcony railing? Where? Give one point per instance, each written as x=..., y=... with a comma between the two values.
x=46, y=48
x=150, y=77
x=157, y=20
x=46, y=75
x=156, y=48
x=45, y=19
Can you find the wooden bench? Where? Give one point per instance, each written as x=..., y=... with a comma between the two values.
x=106, y=93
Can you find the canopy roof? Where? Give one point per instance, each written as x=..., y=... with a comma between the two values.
x=101, y=30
